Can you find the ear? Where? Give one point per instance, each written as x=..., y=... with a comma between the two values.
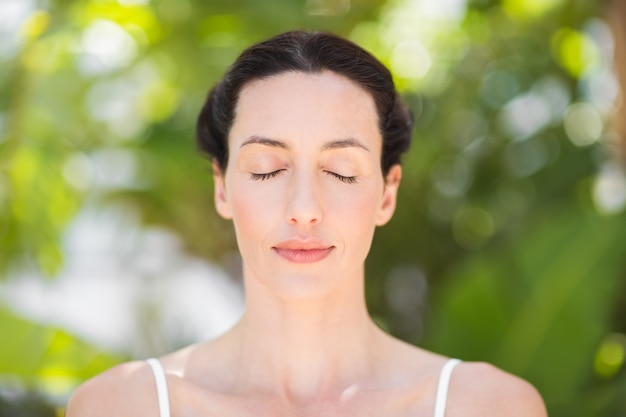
x=390, y=192
x=221, y=199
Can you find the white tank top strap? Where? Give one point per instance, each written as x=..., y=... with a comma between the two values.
x=442, y=387
x=161, y=384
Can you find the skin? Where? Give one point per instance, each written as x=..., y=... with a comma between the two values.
x=305, y=192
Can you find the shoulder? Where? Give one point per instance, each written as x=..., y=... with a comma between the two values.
x=125, y=390
x=481, y=389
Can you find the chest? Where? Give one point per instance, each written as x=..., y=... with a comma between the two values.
x=377, y=404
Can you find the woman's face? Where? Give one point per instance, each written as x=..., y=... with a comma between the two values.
x=304, y=186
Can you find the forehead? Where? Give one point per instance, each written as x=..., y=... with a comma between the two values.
x=316, y=107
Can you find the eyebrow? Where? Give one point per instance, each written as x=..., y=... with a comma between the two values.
x=344, y=143
x=334, y=144
x=264, y=141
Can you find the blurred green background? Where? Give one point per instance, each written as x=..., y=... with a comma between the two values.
x=508, y=243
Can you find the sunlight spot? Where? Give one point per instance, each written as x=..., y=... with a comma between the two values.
x=609, y=189
x=575, y=51
x=601, y=89
x=583, y=124
x=57, y=380
x=555, y=93
x=36, y=24
x=114, y=102
x=451, y=10
x=115, y=169
x=600, y=32
x=525, y=115
x=419, y=40
x=14, y=13
x=106, y=47
x=529, y=8
x=610, y=356
x=410, y=59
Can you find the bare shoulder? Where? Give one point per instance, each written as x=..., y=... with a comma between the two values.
x=125, y=390
x=481, y=389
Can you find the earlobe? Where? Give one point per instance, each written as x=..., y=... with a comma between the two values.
x=390, y=192
x=221, y=200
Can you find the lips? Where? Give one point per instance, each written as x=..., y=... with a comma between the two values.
x=303, y=251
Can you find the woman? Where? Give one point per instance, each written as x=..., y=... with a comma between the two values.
x=305, y=132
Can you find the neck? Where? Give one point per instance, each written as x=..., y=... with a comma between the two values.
x=302, y=349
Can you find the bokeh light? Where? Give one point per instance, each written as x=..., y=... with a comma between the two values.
x=610, y=356
x=507, y=244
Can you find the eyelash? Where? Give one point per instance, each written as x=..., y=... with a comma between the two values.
x=347, y=180
x=269, y=175
x=266, y=176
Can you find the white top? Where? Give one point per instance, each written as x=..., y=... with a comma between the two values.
x=442, y=387
x=161, y=384
x=440, y=401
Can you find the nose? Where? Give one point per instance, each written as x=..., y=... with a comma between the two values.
x=303, y=205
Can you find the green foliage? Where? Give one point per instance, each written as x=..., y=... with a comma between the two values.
x=497, y=215
x=34, y=357
x=37, y=353
x=538, y=306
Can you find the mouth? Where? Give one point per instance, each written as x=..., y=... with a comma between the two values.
x=303, y=252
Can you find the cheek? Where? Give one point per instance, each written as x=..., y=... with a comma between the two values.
x=358, y=208
x=252, y=209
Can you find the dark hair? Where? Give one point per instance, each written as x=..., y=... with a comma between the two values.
x=308, y=52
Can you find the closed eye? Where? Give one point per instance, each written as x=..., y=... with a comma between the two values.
x=265, y=176
x=347, y=180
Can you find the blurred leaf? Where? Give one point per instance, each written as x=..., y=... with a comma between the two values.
x=45, y=356
x=522, y=272
x=535, y=306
